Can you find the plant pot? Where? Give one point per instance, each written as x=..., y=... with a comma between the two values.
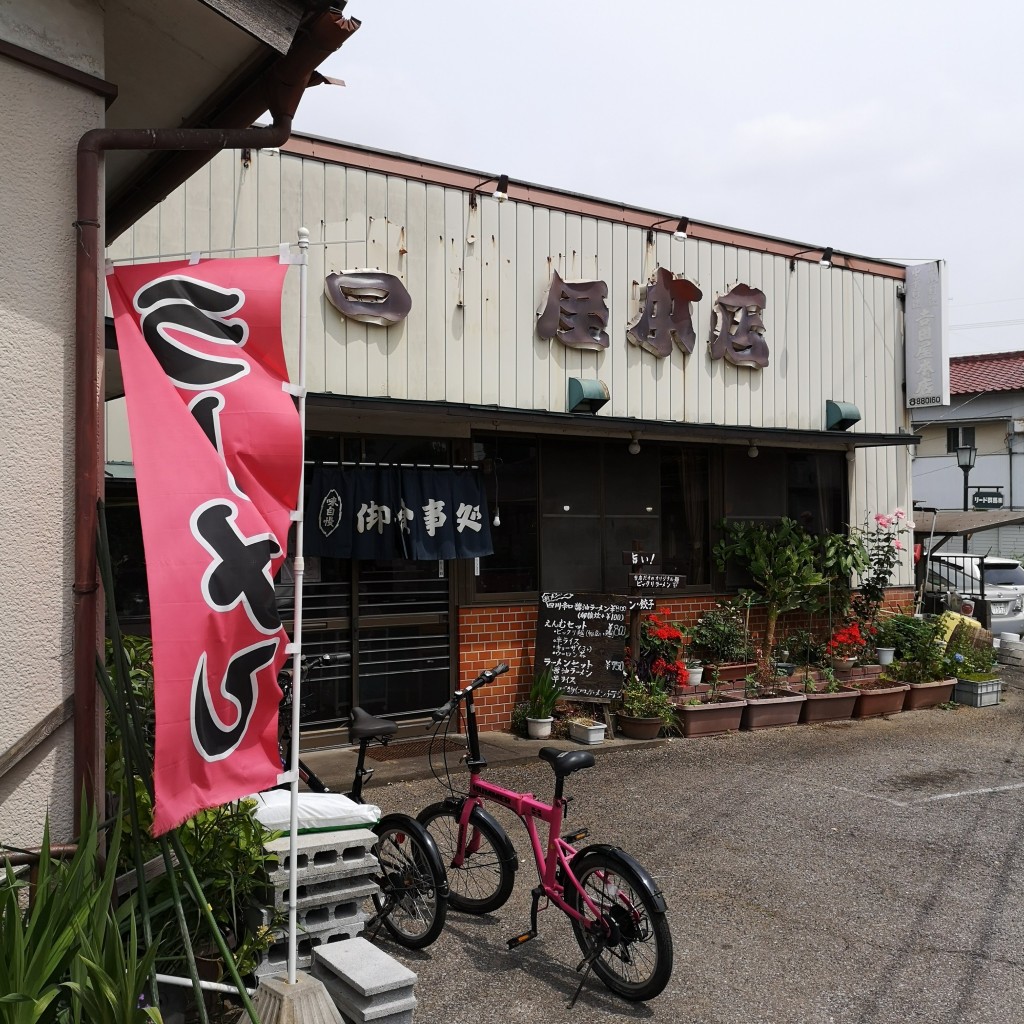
x=885, y=655
x=823, y=706
x=929, y=695
x=733, y=670
x=843, y=664
x=711, y=718
x=975, y=694
x=638, y=728
x=588, y=734
x=539, y=728
x=694, y=675
x=882, y=700
x=767, y=712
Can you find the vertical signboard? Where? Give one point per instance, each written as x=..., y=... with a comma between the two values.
x=927, y=348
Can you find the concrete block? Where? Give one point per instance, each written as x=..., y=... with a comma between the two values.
x=366, y=983
x=309, y=938
x=329, y=891
x=369, y=970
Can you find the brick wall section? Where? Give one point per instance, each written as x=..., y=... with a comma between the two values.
x=488, y=635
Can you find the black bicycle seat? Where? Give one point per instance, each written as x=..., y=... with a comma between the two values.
x=565, y=762
x=362, y=726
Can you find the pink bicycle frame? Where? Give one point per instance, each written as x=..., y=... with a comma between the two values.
x=528, y=808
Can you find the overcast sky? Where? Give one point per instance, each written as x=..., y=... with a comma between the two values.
x=887, y=129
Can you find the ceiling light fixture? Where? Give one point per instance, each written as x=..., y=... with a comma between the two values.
x=634, y=444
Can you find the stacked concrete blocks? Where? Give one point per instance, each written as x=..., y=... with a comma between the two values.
x=365, y=983
x=335, y=872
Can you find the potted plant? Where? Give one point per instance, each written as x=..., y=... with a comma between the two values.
x=645, y=708
x=782, y=560
x=718, y=638
x=768, y=702
x=827, y=700
x=971, y=659
x=710, y=712
x=845, y=647
x=544, y=695
x=586, y=730
x=920, y=666
x=659, y=658
x=886, y=636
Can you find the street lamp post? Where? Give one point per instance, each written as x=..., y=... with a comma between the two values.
x=966, y=455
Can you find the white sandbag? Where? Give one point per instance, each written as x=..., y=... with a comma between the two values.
x=318, y=812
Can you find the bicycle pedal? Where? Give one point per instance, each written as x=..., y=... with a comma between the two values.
x=520, y=939
x=574, y=837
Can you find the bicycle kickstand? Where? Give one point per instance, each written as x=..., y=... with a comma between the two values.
x=518, y=940
x=589, y=962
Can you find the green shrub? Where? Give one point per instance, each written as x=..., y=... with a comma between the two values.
x=544, y=695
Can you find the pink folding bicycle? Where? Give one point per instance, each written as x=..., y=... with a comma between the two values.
x=616, y=909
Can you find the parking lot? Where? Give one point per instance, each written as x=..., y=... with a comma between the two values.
x=862, y=873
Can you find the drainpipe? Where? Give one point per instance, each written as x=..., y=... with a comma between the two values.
x=279, y=91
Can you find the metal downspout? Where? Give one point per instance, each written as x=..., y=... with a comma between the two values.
x=281, y=92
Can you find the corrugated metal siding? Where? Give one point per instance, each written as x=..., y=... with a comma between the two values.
x=471, y=336
x=478, y=276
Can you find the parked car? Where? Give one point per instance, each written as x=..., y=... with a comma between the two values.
x=989, y=588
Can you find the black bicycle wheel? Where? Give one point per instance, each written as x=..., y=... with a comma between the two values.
x=635, y=959
x=413, y=901
x=484, y=880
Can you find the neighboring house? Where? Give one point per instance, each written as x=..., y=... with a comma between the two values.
x=66, y=68
x=986, y=411
x=646, y=433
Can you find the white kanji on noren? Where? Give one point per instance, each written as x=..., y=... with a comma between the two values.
x=433, y=516
x=405, y=517
x=372, y=515
x=468, y=515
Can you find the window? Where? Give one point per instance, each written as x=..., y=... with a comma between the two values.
x=509, y=466
x=685, y=514
x=958, y=436
x=598, y=500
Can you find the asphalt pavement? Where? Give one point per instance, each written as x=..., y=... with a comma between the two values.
x=868, y=872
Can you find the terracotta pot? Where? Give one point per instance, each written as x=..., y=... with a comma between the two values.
x=733, y=670
x=884, y=700
x=638, y=728
x=928, y=695
x=822, y=706
x=766, y=712
x=711, y=718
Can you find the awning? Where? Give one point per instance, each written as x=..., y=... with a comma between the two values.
x=955, y=523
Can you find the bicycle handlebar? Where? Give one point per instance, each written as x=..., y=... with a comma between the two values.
x=485, y=677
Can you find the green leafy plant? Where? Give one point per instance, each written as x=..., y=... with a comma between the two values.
x=544, y=695
x=647, y=699
x=64, y=953
x=805, y=648
x=784, y=564
x=225, y=844
x=969, y=655
x=518, y=721
x=719, y=636
x=920, y=655
x=880, y=536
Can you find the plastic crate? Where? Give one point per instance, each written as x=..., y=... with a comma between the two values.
x=978, y=695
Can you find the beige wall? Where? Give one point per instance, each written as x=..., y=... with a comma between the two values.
x=42, y=121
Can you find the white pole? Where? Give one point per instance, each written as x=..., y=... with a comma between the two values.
x=298, y=572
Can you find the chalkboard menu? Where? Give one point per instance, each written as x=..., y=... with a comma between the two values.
x=582, y=639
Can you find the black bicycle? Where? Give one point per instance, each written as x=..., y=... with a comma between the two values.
x=413, y=899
